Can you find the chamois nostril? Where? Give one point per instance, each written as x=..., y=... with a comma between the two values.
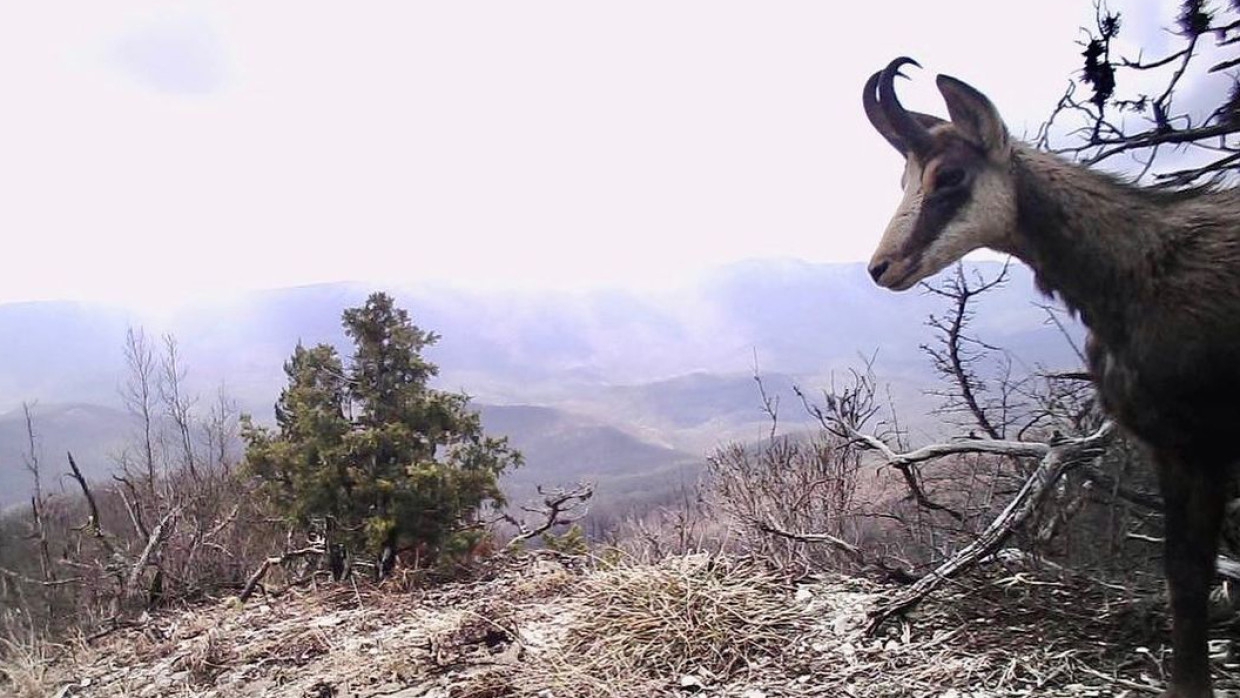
x=876, y=271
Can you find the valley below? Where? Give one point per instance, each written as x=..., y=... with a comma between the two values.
x=628, y=390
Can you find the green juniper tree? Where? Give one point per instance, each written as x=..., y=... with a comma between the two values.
x=372, y=455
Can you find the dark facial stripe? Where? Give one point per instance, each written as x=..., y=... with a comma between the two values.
x=937, y=210
x=940, y=206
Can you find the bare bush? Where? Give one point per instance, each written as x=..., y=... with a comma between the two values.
x=670, y=531
x=1032, y=464
x=788, y=483
x=174, y=523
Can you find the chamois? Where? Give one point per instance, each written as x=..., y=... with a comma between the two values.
x=1153, y=273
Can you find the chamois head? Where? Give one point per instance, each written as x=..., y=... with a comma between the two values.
x=958, y=191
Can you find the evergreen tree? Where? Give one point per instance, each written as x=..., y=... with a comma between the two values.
x=373, y=456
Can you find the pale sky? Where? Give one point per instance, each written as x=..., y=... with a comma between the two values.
x=151, y=151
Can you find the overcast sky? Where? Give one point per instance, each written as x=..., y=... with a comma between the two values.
x=151, y=151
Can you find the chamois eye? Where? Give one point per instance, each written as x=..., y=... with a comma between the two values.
x=948, y=177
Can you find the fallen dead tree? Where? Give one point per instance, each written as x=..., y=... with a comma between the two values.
x=315, y=550
x=1057, y=458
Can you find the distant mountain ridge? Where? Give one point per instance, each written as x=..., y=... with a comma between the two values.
x=632, y=381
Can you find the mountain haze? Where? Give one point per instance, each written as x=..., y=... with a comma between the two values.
x=607, y=385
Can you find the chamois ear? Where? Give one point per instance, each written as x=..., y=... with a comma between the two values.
x=973, y=114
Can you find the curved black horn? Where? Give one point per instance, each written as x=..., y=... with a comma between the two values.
x=902, y=123
x=869, y=98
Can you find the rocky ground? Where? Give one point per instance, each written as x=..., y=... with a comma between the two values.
x=551, y=627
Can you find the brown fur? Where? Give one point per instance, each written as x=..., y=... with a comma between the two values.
x=1154, y=275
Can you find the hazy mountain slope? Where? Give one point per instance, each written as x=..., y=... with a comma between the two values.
x=804, y=317
x=697, y=411
x=562, y=449
x=668, y=370
x=245, y=341
x=59, y=352
x=92, y=433
x=559, y=448
x=798, y=318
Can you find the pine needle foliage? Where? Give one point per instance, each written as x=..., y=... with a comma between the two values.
x=367, y=456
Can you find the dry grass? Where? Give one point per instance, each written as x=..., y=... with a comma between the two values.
x=695, y=613
x=208, y=656
x=24, y=666
x=639, y=630
x=28, y=660
x=543, y=628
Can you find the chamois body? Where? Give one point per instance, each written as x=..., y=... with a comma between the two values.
x=1154, y=274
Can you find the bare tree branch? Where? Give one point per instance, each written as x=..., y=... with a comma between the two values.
x=257, y=577
x=854, y=553
x=1058, y=459
x=158, y=535
x=956, y=359
x=559, y=507
x=93, y=523
x=1107, y=133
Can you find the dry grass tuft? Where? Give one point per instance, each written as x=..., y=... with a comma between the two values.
x=24, y=667
x=209, y=655
x=688, y=614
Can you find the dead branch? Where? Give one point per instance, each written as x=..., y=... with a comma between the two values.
x=253, y=582
x=1105, y=128
x=906, y=462
x=770, y=403
x=1016, y=449
x=52, y=582
x=1121, y=682
x=131, y=502
x=158, y=535
x=37, y=501
x=93, y=522
x=850, y=409
x=257, y=576
x=854, y=553
x=960, y=351
x=559, y=506
x=1109, y=483
x=222, y=524
x=1059, y=458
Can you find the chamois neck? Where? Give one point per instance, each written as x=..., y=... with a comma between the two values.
x=1086, y=235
